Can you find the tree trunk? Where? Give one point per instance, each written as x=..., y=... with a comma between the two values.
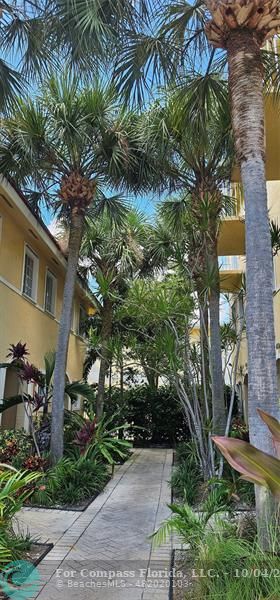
x=217, y=379
x=246, y=88
x=75, y=238
x=204, y=345
x=106, y=330
x=121, y=431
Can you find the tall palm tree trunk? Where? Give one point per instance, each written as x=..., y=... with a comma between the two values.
x=75, y=238
x=106, y=330
x=217, y=380
x=246, y=88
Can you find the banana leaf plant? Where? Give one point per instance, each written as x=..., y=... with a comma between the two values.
x=254, y=465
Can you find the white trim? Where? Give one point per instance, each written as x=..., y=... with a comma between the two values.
x=29, y=251
x=54, y=278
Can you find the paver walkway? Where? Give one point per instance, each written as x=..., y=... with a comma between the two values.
x=105, y=553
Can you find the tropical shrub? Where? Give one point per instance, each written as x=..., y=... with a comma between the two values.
x=236, y=568
x=155, y=414
x=186, y=452
x=239, y=429
x=190, y=526
x=97, y=441
x=35, y=463
x=185, y=482
x=105, y=445
x=15, y=446
x=71, y=482
x=15, y=487
x=186, y=476
x=254, y=465
x=231, y=490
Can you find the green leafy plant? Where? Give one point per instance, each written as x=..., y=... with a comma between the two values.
x=155, y=415
x=236, y=568
x=186, y=452
x=15, y=487
x=231, y=490
x=105, y=445
x=254, y=465
x=71, y=482
x=189, y=525
x=15, y=446
x=96, y=441
x=185, y=482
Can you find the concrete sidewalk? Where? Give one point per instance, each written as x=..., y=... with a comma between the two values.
x=104, y=553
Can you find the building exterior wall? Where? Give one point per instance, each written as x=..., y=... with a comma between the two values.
x=24, y=319
x=273, y=189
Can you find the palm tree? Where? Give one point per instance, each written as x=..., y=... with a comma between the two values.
x=202, y=160
x=240, y=29
x=21, y=24
x=112, y=255
x=67, y=142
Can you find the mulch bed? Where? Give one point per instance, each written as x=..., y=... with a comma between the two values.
x=183, y=584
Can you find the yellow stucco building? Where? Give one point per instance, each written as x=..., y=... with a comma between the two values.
x=32, y=272
x=232, y=245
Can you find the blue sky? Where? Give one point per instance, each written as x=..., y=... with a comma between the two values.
x=146, y=204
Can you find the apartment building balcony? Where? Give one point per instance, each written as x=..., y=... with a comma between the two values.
x=272, y=139
x=231, y=240
x=231, y=271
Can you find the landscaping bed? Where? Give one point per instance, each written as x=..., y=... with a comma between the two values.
x=77, y=506
x=187, y=484
x=183, y=582
x=35, y=554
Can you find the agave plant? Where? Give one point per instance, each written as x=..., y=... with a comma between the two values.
x=254, y=465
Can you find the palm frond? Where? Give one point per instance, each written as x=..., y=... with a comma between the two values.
x=144, y=60
x=78, y=388
x=12, y=85
x=114, y=208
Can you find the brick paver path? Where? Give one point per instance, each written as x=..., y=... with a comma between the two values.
x=105, y=553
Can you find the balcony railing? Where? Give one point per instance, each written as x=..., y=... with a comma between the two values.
x=229, y=263
x=235, y=205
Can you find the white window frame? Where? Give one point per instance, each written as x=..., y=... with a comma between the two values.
x=53, y=277
x=31, y=253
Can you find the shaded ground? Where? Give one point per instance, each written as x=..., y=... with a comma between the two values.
x=104, y=552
